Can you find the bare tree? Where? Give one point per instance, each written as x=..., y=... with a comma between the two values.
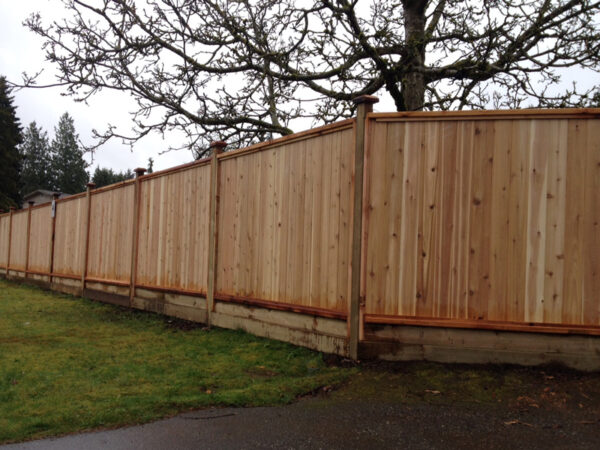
x=246, y=70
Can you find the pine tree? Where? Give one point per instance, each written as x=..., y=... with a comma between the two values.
x=105, y=176
x=68, y=165
x=10, y=157
x=37, y=159
x=150, y=165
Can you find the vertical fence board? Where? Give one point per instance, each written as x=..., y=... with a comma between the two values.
x=4, y=225
x=517, y=222
x=591, y=227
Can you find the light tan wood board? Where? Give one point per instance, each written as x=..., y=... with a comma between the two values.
x=40, y=239
x=111, y=229
x=284, y=225
x=173, y=230
x=485, y=220
x=69, y=236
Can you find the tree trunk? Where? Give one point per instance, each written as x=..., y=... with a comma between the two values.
x=413, y=80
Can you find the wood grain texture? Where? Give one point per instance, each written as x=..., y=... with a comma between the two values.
x=40, y=239
x=492, y=220
x=18, y=245
x=69, y=238
x=4, y=225
x=111, y=230
x=284, y=222
x=468, y=218
x=173, y=230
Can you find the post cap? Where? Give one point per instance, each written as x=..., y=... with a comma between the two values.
x=368, y=99
x=13, y=208
x=56, y=195
x=218, y=146
x=139, y=171
x=91, y=185
x=30, y=202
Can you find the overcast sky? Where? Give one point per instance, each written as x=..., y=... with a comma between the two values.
x=20, y=50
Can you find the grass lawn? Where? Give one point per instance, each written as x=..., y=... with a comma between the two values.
x=69, y=364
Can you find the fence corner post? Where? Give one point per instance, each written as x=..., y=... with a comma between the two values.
x=88, y=195
x=139, y=172
x=216, y=147
x=55, y=197
x=28, y=239
x=364, y=106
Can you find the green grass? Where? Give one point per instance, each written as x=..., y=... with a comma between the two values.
x=69, y=364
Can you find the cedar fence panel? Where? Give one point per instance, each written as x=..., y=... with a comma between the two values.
x=173, y=230
x=40, y=239
x=284, y=224
x=4, y=226
x=69, y=236
x=491, y=219
x=110, y=234
x=18, y=242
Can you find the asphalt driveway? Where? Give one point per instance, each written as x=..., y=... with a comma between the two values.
x=334, y=421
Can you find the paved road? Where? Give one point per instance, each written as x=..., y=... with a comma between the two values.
x=331, y=424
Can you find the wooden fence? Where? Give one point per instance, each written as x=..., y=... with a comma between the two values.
x=486, y=220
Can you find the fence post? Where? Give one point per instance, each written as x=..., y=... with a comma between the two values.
x=53, y=218
x=88, y=197
x=28, y=240
x=216, y=148
x=12, y=211
x=135, y=236
x=364, y=106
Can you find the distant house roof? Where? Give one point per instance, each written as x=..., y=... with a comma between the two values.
x=41, y=196
x=46, y=193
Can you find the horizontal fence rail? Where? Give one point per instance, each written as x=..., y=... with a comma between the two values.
x=483, y=220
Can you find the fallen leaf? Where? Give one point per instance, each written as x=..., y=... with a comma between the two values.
x=517, y=422
x=434, y=392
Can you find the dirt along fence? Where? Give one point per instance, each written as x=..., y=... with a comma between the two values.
x=449, y=236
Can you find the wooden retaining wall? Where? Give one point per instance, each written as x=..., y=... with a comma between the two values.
x=485, y=223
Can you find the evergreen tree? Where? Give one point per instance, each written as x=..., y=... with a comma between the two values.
x=105, y=176
x=37, y=160
x=68, y=164
x=150, y=165
x=10, y=157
